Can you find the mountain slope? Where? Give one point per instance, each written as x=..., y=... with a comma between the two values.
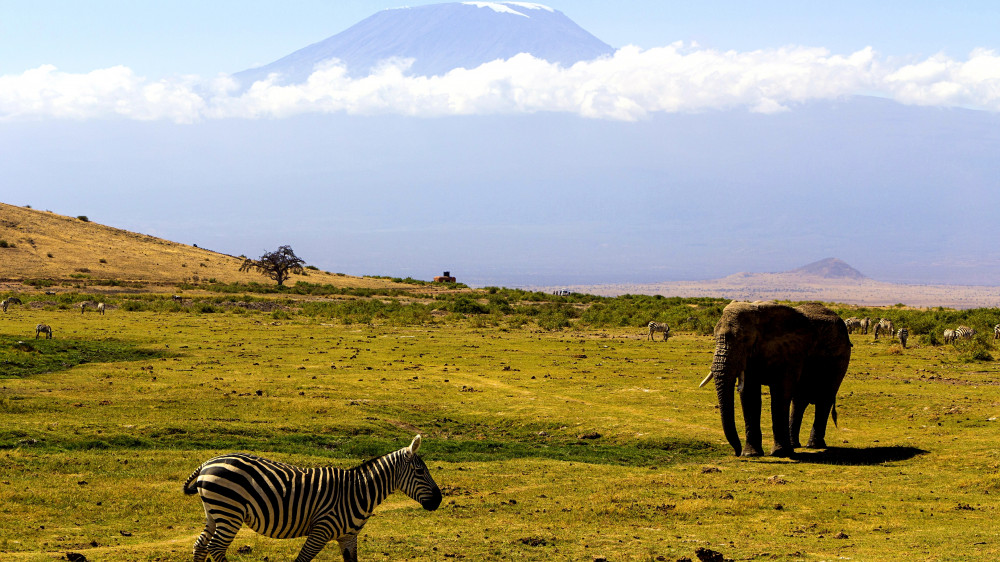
x=43, y=245
x=441, y=37
x=829, y=268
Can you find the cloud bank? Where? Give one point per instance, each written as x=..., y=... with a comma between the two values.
x=630, y=85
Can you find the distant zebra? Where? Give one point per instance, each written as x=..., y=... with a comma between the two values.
x=853, y=323
x=902, y=335
x=282, y=501
x=100, y=308
x=949, y=336
x=996, y=332
x=866, y=323
x=43, y=329
x=964, y=333
x=659, y=327
x=884, y=326
x=9, y=301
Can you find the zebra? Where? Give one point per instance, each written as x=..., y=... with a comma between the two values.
x=996, y=332
x=282, y=501
x=659, y=327
x=903, y=334
x=949, y=336
x=853, y=323
x=866, y=323
x=964, y=333
x=9, y=301
x=43, y=329
x=884, y=325
x=100, y=308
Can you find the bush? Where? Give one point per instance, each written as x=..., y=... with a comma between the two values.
x=83, y=218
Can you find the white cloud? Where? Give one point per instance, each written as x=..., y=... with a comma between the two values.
x=630, y=85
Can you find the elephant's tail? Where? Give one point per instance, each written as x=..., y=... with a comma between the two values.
x=834, y=413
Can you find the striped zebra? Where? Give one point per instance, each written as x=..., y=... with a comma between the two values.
x=866, y=323
x=282, y=501
x=884, y=326
x=964, y=333
x=996, y=332
x=9, y=301
x=100, y=308
x=902, y=334
x=659, y=327
x=949, y=336
x=853, y=323
x=43, y=329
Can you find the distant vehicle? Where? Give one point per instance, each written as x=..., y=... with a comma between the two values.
x=562, y=292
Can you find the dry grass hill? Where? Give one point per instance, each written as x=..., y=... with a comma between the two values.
x=44, y=245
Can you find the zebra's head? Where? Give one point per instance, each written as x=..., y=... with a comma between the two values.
x=415, y=480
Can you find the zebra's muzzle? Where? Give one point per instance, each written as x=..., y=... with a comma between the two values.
x=432, y=503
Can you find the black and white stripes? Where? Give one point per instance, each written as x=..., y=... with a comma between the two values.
x=282, y=501
x=659, y=327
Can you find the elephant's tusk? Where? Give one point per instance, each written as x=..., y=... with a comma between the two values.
x=708, y=378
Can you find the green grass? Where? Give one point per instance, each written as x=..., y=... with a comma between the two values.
x=25, y=357
x=549, y=445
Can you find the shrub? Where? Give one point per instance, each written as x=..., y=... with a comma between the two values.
x=4, y=244
x=102, y=260
x=83, y=218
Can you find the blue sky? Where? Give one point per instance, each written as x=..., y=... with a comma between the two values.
x=158, y=39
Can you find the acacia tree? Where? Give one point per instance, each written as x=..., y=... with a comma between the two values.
x=278, y=265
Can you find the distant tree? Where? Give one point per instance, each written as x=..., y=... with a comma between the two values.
x=278, y=265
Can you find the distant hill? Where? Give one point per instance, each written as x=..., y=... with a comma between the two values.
x=442, y=37
x=829, y=280
x=829, y=268
x=43, y=245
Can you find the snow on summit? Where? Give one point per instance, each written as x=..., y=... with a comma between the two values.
x=433, y=39
x=504, y=7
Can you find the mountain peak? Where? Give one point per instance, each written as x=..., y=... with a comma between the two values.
x=437, y=38
x=829, y=268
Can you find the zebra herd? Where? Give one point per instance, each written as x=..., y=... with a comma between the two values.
x=45, y=330
x=965, y=333
x=282, y=501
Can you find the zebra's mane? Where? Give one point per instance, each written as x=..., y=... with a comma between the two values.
x=368, y=463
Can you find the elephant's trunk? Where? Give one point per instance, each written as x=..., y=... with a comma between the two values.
x=725, y=378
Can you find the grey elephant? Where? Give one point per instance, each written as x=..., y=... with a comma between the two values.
x=801, y=353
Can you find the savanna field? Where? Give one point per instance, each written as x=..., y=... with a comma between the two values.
x=554, y=428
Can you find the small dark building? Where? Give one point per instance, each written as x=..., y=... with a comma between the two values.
x=446, y=278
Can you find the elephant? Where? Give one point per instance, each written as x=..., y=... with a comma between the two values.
x=801, y=353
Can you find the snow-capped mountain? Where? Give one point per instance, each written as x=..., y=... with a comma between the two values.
x=442, y=37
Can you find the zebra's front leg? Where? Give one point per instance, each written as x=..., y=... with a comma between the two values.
x=349, y=548
x=315, y=542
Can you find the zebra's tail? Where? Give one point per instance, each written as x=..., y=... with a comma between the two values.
x=189, y=486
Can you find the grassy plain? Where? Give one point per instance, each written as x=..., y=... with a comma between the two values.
x=568, y=444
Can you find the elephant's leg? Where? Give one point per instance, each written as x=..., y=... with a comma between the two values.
x=750, y=402
x=780, y=399
x=799, y=406
x=817, y=438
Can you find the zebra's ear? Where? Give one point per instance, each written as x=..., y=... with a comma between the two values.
x=415, y=445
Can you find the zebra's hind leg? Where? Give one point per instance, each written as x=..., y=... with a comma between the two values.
x=218, y=544
x=201, y=545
